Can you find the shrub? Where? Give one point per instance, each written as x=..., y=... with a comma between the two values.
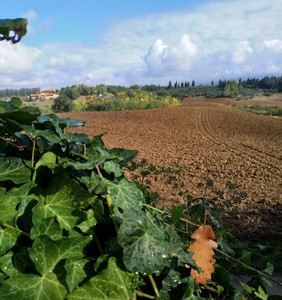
x=62, y=104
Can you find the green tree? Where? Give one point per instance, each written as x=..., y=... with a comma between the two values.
x=169, y=85
x=62, y=104
x=84, y=90
x=101, y=89
x=74, y=93
x=227, y=90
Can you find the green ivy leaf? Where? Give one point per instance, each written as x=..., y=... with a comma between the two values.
x=248, y=288
x=46, y=253
x=124, y=195
x=15, y=102
x=50, y=137
x=177, y=248
x=33, y=287
x=5, y=107
x=190, y=291
x=89, y=222
x=61, y=210
x=123, y=155
x=8, y=205
x=113, y=167
x=24, y=115
x=48, y=159
x=62, y=123
x=109, y=284
x=7, y=265
x=246, y=257
x=98, y=154
x=261, y=293
x=92, y=182
x=269, y=268
x=172, y=280
x=177, y=212
x=222, y=277
x=75, y=272
x=48, y=226
x=63, y=198
x=8, y=238
x=14, y=169
x=76, y=138
x=11, y=125
x=86, y=165
x=13, y=29
x=145, y=245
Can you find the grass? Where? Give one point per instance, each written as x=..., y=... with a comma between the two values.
x=261, y=110
x=43, y=105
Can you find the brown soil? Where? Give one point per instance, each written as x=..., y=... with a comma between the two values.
x=206, y=139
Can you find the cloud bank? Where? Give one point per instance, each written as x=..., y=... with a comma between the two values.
x=162, y=58
x=217, y=39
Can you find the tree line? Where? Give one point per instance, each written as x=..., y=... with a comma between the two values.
x=245, y=89
x=226, y=88
x=18, y=92
x=266, y=82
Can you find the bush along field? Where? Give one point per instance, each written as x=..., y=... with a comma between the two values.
x=117, y=101
x=262, y=110
x=72, y=226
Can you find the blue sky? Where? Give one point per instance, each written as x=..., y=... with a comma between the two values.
x=126, y=42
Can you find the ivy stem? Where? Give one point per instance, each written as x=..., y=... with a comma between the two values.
x=98, y=171
x=33, y=151
x=84, y=157
x=162, y=212
x=108, y=199
x=248, y=267
x=154, y=285
x=143, y=295
x=189, y=222
x=11, y=143
x=110, y=205
x=5, y=225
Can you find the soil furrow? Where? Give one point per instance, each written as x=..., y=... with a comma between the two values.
x=257, y=160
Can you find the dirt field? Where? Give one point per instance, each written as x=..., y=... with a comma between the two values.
x=206, y=139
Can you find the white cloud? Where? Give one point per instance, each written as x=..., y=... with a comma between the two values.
x=155, y=56
x=226, y=39
x=272, y=68
x=243, y=48
x=56, y=61
x=163, y=58
x=30, y=15
x=275, y=45
x=17, y=58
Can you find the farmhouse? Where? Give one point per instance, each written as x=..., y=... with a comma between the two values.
x=49, y=94
x=34, y=96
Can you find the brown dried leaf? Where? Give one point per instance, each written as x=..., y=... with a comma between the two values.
x=203, y=253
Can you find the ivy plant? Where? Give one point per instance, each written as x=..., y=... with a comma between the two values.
x=71, y=225
x=13, y=29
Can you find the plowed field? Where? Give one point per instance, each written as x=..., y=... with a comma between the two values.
x=205, y=139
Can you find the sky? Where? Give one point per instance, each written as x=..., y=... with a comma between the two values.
x=128, y=42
